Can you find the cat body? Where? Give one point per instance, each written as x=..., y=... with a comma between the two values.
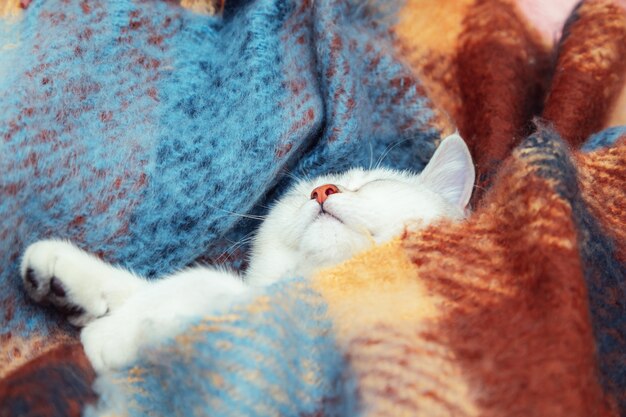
x=318, y=223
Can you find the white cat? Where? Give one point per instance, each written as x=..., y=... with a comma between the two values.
x=318, y=223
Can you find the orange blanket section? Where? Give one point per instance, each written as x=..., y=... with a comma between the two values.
x=488, y=65
x=488, y=317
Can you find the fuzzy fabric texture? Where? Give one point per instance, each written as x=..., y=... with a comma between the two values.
x=135, y=128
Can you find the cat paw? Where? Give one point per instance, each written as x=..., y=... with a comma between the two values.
x=111, y=342
x=54, y=271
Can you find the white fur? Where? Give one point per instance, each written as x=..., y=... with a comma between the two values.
x=124, y=313
x=157, y=313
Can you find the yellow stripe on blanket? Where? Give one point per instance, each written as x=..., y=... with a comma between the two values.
x=384, y=320
x=10, y=8
x=207, y=7
x=377, y=286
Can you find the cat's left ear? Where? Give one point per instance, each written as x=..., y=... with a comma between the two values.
x=450, y=172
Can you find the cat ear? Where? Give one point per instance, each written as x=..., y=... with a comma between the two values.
x=450, y=172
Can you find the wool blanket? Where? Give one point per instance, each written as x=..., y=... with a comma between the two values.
x=141, y=129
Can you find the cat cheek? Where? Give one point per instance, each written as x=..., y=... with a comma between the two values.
x=302, y=220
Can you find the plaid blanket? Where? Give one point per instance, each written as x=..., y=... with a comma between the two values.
x=137, y=127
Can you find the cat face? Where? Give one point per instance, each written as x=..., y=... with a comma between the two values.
x=331, y=218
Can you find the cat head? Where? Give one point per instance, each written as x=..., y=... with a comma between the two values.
x=329, y=219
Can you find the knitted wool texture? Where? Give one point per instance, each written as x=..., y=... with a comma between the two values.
x=136, y=128
x=133, y=135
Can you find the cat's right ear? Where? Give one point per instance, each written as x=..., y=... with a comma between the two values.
x=450, y=172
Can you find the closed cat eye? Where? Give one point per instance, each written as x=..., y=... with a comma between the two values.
x=371, y=182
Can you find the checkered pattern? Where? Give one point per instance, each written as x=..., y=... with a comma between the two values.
x=134, y=128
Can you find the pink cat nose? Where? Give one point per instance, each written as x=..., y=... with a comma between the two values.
x=322, y=192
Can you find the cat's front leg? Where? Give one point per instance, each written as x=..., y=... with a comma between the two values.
x=77, y=283
x=158, y=313
x=113, y=341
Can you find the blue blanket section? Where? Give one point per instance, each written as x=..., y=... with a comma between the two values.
x=140, y=130
x=274, y=356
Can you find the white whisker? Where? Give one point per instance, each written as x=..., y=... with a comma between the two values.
x=293, y=176
x=236, y=245
x=388, y=150
x=232, y=213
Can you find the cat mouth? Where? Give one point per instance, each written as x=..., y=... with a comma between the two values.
x=325, y=214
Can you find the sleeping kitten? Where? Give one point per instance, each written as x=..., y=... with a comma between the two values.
x=318, y=223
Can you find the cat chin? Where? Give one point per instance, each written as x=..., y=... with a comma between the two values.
x=329, y=241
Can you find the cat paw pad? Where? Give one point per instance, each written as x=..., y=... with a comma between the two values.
x=52, y=272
